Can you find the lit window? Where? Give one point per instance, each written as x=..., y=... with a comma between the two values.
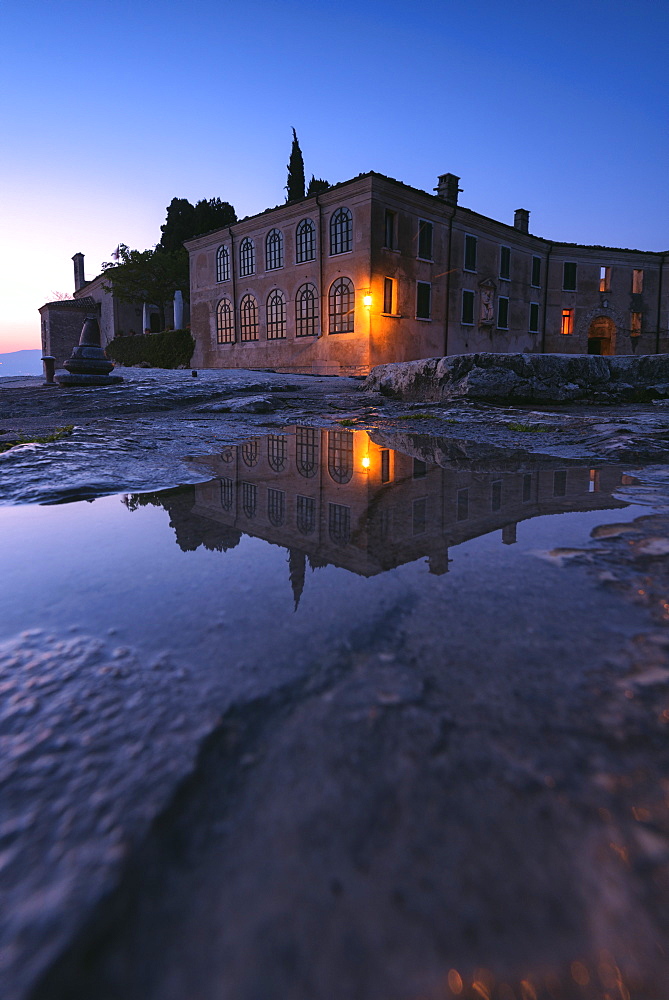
x=534, y=317
x=277, y=452
x=502, y=313
x=276, y=315
x=341, y=231
x=225, y=322
x=306, y=311
x=276, y=506
x=340, y=455
x=274, y=250
x=339, y=523
x=567, y=321
x=306, y=444
x=305, y=241
x=247, y=257
x=467, y=308
x=389, y=229
x=306, y=515
x=637, y=281
x=222, y=264
x=635, y=324
x=248, y=316
x=423, y=299
x=569, y=276
x=605, y=279
x=470, y=253
x=389, y=296
x=536, y=272
x=505, y=263
x=425, y=230
x=342, y=306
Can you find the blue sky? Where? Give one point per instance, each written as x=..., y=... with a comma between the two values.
x=111, y=109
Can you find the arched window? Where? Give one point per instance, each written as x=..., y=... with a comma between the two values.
x=248, y=317
x=306, y=443
x=247, y=257
x=249, y=499
x=276, y=315
x=227, y=493
x=306, y=311
x=341, y=231
x=276, y=506
x=339, y=523
x=306, y=515
x=277, y=451
x=342, y=306
x=222, y=264
x=340, y=455
x=250, y=452
x=274, y=250
x=305, y=241
x=225, y=322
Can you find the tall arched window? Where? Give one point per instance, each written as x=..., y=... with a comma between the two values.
x=342, y=306
x=248, y=317
x=306, y=311
x=222, y=264
x=274, y=250
x=247, y=257
x=341, y=231
x=306, y=445
x=340, y=455
x=225, y=322
x=277, y=451
x=276, y=506
x=276, y=315
x=250, y=451
x=305, y=241
x=339, y=523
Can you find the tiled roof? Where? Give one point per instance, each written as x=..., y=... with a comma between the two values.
x=86, y=302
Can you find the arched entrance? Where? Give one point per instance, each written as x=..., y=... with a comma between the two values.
x=602, y=336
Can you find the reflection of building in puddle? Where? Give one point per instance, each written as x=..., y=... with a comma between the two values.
x=336, y=497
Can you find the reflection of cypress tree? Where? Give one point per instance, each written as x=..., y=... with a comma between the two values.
x=295, y=185
x=296, y=566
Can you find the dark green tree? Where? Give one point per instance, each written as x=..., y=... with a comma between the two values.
x=148, y=276
x=178, y=224
x=316, y=186
x=295, y=185
x=212, y=214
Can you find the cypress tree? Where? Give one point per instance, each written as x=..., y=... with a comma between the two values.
x=295, y=185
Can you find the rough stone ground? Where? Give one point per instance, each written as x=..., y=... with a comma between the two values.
x=474, y=805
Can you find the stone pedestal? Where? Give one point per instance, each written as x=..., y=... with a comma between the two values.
x=88, y=365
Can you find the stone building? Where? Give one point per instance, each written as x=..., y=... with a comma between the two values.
x=372, y=271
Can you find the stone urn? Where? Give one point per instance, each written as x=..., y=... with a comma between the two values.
x=88, y=364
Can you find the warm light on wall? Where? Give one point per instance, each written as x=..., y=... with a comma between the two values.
x=367, y=300
x=366, y=462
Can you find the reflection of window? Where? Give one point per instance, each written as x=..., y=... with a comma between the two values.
x=306, y=311
x=227, y=455
x=419, y=511
x=306, y=515
x=305, y=240
x=250, y=451
x=247, y=257
x=339, y=523
x=635, y=324
x=276, y=506
x=462, y=505
x=306, y=441
x=227, y=493
x=527, y=487
x=276, y=315
x=249, y=499
x=341, y=231
x=385, y=466
x=593, y=485
x=382, y=524
x=274, y=250
x=496, y=495
x=277, y=451
x=424, y=239
x=567, y=321
x=225, y=322
x=222, y=264
x=342, y=306
x=248, y=313
x=559, y=483
x=340, y=455
x=419, y=469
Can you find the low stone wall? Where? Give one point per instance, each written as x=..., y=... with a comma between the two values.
x=525, y=378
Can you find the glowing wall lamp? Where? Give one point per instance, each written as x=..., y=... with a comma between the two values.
x=367, y=300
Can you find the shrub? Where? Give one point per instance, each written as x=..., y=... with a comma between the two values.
x=160, y=350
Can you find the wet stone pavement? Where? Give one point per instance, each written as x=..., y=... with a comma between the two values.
x=374, y=705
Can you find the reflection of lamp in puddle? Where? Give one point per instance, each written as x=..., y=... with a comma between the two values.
x=366, y=462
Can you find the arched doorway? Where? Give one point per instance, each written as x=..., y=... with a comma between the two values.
x=602, y=336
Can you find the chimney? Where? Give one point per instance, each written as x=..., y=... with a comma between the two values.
x=79, y=279
x=521, y=220
x=447, y=188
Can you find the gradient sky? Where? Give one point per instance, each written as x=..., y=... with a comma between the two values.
x=111, y=108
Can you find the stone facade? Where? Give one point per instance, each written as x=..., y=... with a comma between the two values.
x=427, y=278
